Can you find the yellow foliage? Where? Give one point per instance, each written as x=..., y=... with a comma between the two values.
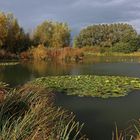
x=3, y=28
x=39, y=53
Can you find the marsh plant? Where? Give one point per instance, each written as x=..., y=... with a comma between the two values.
x=28, y=113
x=130, y=133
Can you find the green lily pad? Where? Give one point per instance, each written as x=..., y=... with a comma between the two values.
x=90, y=85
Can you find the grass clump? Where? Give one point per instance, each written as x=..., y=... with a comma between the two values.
x=130, y=133
x=29, y=114
x=90, y=85
x=8, y=63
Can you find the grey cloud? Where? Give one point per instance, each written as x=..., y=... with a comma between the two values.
x=78, y=13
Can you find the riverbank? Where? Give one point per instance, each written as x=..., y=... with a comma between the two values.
x=110, y=86
x=29, y=111
x=91, y=54
x=67, y=54
x=79, y=85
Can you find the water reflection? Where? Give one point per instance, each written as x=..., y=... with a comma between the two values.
x=107, y=59
x=25, y=71
x=50, y=68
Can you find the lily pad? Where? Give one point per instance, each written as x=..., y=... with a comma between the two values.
x=90, y=85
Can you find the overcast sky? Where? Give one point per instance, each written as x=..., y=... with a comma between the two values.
x=77, y=13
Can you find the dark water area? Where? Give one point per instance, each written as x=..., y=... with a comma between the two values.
x=98, y=115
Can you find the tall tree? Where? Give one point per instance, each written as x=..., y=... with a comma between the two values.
x=43, y=33
x=105, y=35
x=52, y=34
x=3, y=28
x=14, y=32
x=61, y=35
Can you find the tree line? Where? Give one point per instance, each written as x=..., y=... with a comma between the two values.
x=13, y=38
x=117, y=37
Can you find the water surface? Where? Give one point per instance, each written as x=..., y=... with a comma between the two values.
x=99, y=115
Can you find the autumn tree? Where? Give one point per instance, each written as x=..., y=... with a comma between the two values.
x=43, y=33
x=3, y=28
x=24, y=42
x=52, y=34
x=61, y=35
x=13, y=34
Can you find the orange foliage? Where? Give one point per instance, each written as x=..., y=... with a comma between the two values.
x=42, y=53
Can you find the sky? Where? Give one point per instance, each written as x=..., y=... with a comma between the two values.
x=77, y=13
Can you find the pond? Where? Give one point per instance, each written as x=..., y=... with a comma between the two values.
x=99, y=115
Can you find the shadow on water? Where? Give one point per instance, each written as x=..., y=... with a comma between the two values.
x=99, y=115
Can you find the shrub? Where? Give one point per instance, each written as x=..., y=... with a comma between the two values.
x=39, y=52
x=67, y=54
x=105, y=35
x=25, y=55
x=123, y=47
x=91, y=49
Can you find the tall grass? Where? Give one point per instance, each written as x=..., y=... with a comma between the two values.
x=42, y=53
x=130, y=133
x=28, y=113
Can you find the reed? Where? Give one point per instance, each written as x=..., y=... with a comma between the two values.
x=130, y=133
x=28, y=113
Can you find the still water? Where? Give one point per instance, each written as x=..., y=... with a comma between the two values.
x=98, y=115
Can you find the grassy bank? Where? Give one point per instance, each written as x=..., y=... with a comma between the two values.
x=100, y=51
x=97, y=86
x=28, y=113
x=89, y=85
x=42, y=53
x=8, y=63
x=91, y=54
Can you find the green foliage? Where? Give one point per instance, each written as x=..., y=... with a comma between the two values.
x=14, y=40
x=106, y=35
x=88, y=85
x=135, y=43
x=52, y=34
x=8, y=63
x=127, y=47
x=122, y=47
